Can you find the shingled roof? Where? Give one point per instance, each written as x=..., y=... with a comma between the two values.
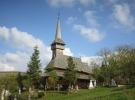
x=61, y=62
x=60, y=41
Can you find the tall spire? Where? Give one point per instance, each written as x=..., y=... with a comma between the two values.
x=58, y=28
x=58, y=44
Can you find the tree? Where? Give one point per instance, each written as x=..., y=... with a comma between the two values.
x=34, y=71
x=20, y=81
x=118, y=65
x=105, y=70
x=126, y=63
x=53, y=78
x=70, y=74
x=96, y=70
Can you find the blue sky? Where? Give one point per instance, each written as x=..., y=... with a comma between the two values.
x=87, y=27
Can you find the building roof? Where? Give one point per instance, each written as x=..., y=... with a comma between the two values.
x=58, y=30
x=61, y=62
x=60, y=41
x=58, y=37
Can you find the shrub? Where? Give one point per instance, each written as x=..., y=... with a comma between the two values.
x=40, y=94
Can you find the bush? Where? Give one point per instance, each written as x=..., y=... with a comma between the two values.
x=11, y=97
x=40, y=94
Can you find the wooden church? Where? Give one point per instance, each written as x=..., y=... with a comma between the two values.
x=59, y=61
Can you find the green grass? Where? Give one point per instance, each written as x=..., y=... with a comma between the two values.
x=94, y=94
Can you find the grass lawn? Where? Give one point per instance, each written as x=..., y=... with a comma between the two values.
x=93, y=94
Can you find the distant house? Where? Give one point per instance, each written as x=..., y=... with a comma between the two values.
x=59, y=61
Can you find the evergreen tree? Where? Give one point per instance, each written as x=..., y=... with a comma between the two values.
x=34, y=71
x=70, y=74
x=20, y=80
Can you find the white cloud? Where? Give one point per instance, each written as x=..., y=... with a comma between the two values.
x=4, y=33
x=68, y=52
x=12, y=57
x=69, y=3
x=112, y=1
x=90, y=33
x=57, y=3
x=23, y=42
x=71, y=20
x=18, y=39
x=122, y=14
x=6, y=67
x=80, y=10
x=14, y=61
x=91, y=18
x=87, y=2
x=92, y=60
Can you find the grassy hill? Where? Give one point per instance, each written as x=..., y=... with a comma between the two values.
x=94, y=94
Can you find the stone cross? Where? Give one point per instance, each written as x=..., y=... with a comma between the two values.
x=95, y=83
x=113, y=83
x=91, y=85
x=58, y=87
x=77, y=87
x=2, y=94
x=19, y=91
x=15, y=98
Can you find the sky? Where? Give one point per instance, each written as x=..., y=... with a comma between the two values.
x=87, y=27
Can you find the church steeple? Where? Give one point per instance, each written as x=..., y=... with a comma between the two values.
x=58, y=29
x=58, y=44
